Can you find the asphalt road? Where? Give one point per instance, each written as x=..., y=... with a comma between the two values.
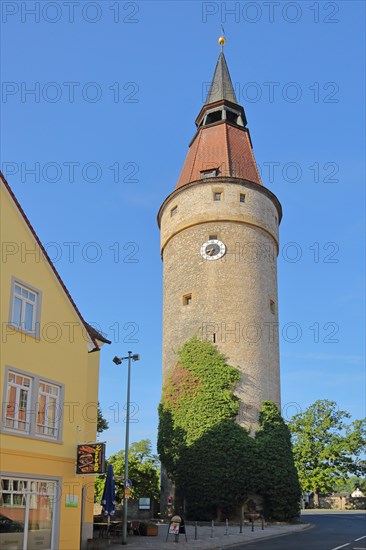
x=328, y=532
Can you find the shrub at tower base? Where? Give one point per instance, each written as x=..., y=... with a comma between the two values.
x=277, y=478
x=213, y=462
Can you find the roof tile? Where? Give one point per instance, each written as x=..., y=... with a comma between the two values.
x=222, y=146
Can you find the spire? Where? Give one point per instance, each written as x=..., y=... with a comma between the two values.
x=221, y=85
x=222, y=145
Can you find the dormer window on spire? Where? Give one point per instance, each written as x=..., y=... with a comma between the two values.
x=211, y=173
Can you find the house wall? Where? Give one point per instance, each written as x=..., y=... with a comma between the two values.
x=59, y=354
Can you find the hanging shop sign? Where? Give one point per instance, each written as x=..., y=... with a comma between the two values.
x=90, y=458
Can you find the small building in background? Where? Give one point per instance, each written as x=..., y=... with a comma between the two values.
x=357, y=493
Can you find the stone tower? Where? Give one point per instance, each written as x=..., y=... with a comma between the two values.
x=219, y=246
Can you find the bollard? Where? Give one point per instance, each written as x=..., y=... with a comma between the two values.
x=227, y=526
x=212, y=528
x=262, y=523
x=241, y=525
x=195, y=531
x=252, y=524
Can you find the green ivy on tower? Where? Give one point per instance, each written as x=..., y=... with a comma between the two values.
x=213, y=461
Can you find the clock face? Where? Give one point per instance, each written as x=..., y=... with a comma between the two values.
x=213, y=250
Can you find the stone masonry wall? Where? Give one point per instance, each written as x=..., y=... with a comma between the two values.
x=231, y=296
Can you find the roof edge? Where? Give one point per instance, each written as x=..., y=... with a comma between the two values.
x=93, y=333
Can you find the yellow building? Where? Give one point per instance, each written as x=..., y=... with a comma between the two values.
x=49, y=388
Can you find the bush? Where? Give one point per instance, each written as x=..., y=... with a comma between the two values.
x=277, y=479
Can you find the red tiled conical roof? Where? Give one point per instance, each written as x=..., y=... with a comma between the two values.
x=224, y=147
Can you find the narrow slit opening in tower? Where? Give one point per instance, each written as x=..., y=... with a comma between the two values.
x=187, y=299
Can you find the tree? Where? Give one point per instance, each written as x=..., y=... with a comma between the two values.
x=102, y=423
x=277, y=480
x=350, y=485
x=143, y=470
x=326, y=448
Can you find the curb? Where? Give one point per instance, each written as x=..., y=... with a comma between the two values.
x=278, y=535
x=246, y=542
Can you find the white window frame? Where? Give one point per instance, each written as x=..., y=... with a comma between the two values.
x=28, y=492
x=18, y=389
x=35, y=330
x=47, y=425
x=33, y=408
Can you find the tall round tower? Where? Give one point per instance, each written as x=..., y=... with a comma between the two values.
x=219, y=246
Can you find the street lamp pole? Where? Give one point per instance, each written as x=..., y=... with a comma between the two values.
x=118, y=361
x=125, y=501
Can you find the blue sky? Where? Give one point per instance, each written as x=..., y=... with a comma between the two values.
x=117, y=88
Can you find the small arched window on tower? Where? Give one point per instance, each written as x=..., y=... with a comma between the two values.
x=173, y=211
x=272, y=306
x=242, y=197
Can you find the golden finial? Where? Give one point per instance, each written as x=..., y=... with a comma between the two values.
x=222, y=38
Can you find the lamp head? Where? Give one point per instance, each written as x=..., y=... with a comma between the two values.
x=117, y=360
x=136, y=357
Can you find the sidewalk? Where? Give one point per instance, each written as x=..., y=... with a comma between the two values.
x=204, y=539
